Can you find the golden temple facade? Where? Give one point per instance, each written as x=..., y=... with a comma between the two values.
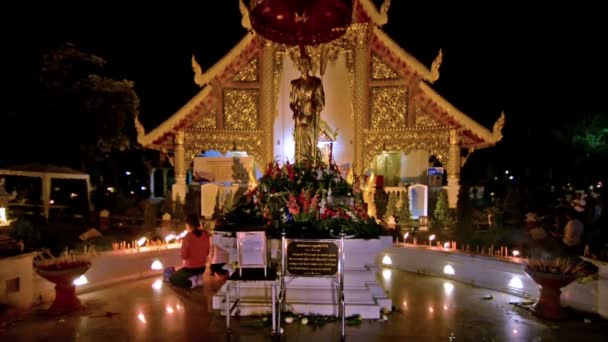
x=378, y=98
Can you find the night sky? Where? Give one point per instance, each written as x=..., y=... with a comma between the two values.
x=543, y=66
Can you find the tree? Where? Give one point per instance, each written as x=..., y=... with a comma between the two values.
x=403, y=212
x=390, y=206
x=76, y=88
x=441, y=215
x=582, y=145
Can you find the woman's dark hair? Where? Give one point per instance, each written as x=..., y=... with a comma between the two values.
x=192, y=221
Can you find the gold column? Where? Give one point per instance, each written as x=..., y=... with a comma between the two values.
x=361, y=109
x=267, y=103
x=179, y=188
x=453, y=168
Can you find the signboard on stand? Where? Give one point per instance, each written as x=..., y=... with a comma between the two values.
x=251, y=250
x=318, y=258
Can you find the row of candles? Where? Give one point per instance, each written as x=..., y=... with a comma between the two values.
x=499, y=251
x=143, y=241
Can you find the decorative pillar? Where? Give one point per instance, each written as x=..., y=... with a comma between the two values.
x=361, y=70
x=453, y=168
x=165, y=171
x=152, y=187
x=179, y=188
x=267, y=102
x=46, y=195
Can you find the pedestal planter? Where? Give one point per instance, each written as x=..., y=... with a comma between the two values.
x=66, y=300
x=549, y=303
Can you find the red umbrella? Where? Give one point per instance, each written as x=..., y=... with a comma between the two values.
x=301, y=22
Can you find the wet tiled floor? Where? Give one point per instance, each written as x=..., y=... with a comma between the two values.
x=426, y=309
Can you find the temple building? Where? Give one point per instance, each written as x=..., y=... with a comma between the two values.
x=378, y=98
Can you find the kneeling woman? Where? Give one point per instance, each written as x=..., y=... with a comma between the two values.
x=195, y=248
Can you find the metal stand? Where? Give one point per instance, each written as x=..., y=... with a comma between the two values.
x=282, y=287
x=342, y=309
x=281, y=294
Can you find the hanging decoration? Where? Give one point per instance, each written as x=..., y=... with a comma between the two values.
x=300, y=22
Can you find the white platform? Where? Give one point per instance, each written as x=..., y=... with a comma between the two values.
x=500, y=274
x=318, y=295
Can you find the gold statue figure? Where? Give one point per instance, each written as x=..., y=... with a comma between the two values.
x=307, y=99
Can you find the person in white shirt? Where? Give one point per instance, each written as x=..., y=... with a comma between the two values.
x=573, y=232
x=219, y=255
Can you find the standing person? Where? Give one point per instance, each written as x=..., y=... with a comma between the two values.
x=306, y=100
x=573, y=232
x=195, y=248
x=219, y=255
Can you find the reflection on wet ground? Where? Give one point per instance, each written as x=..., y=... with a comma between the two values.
x=425, y=309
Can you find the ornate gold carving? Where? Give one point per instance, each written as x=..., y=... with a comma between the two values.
x=268, y=102
x=223, y=141
x=381, y=71
x=180, y=163
x=249, y=73
x=241, y=108
x=328, y=52
x=277, y=71
x=358, y=34
x=425, y=120
x=207, y=121
x=453, y=164
x=406, y=140
x=388, y=106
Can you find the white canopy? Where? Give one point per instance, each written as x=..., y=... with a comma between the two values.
x=47, y=173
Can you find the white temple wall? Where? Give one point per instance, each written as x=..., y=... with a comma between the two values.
x=414, y=164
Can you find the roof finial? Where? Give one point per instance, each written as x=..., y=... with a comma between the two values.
x=198, y=72
x=384, y=7
x=435, y=66
x=498, y=125
x=245, y=21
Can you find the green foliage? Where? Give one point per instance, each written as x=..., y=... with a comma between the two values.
x=167, y=206
x=228, y=202
x=76, y=88
x=53, y=236
x=151, y=213
x=591, y=134
x=403, y=212
x=391, y=206
x=441, y=215
x=464, y=208
x=23, y=230
x=239, y=173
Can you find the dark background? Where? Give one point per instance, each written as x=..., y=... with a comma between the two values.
x=544, y=66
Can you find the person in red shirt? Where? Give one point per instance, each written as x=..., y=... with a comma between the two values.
x=195, y=248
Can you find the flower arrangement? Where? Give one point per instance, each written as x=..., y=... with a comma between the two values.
x=306, y=200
